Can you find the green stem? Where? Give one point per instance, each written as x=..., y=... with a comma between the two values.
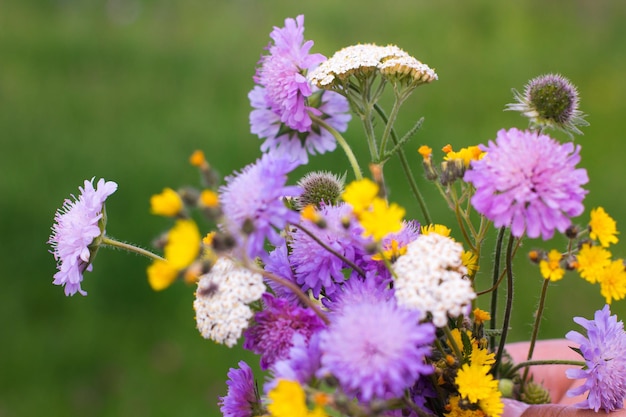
x=407, y=171
x=452, y=342
x=107, y=241
x=509, y=304
x=538, y=315
x=344, y=145
x=389, y=124
x=495, y=279
x=529, y=363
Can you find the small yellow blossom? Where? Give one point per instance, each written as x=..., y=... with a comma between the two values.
x=492, y=405
x=183, y=244
x=453, y=409
x=360, y=194
x=436, y=228
x=161, y=274
x=208, y=239
x=310, y=213
x=551, y=268
x=425, y=151
x=288, y=399
x=168, y=203
x=469, y=154
x=591, y=260
x=613, y=281
x=197, y=158
x=475, y=382
x=602, y=227
x=390, y=252
x=481, y=316
x=482, y=357
x=209, y=198
x=381, y=219
x=470, y=261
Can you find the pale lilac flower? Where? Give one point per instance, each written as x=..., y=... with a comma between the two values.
x=272, y=333
x=604, y=352
x=253, y=206
x=301, y=363
x=316, y=268
x=529, y=182
x=375, y=348
x=278, y=264
x=242, y=399
x=77, y=226
x=284, y=98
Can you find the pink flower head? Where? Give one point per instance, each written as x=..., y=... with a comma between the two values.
x=529, y=182
x=77, y=225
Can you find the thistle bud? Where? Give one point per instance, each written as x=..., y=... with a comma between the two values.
x=320, y=187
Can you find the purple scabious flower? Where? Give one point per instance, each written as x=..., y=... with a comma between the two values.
x=604, y=352
x=357, y=289
x=301, y=363
x=283, y=98
x=278, y=264
x=281, y=74
x=242, y=399
x=529, y=182
x=375, y=348
x=252, y=202
x=78, y=224
x=316, y=268
x=272, y=334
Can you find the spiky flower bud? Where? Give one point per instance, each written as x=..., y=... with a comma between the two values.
x=535, y=393
x=320, y=187
x=550, y=101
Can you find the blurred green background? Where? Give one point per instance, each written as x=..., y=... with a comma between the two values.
x=127, y=89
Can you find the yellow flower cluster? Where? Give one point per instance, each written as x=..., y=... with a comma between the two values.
x=376, y=216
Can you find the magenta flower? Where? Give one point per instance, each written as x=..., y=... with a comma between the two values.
x=252, y=202
x=283, y=101
x=529, y=182
x=242, y=399
x=604, y=352
x=272, y=333
x=375, y=348
x=77, y=226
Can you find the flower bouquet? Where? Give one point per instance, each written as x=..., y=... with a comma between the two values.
x=353, y=309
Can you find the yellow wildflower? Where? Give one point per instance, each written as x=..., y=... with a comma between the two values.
x=168, y=203
x=197, y=159
x=183, y=244
x=602, y=227
x=425, y=151
x=492, y=405
x=360, y=194
x=482, y=357
x=453, y=409
x=161, y=274
x=469, y=154
x=470, y=261
x=288, y=399
x=475, y=382
x=390, y=252
x=591, y=260
x=310, y=213
x=613, y=281
x=209, y=198
x=381, y=219
x=481, y=316
x=551, y=268
x=436, y=228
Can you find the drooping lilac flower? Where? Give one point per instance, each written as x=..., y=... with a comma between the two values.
x=604, y=352
x=376, y=349
x=283, y=98
x=272, y=334
x=301, y=363
x=252, y=202
x=529, y=182
x=242, y=399
x=78, y=224
x=278, y=264
x=316, y=268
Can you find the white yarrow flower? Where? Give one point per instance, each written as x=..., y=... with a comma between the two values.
x=222, y=298
x=431, y=278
